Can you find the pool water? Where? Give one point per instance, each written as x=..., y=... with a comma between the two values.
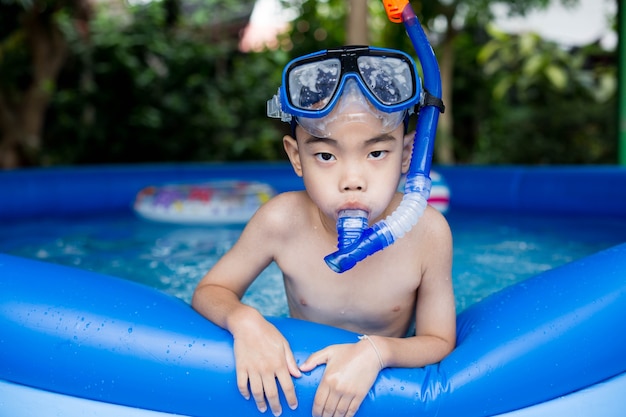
x=491, y=250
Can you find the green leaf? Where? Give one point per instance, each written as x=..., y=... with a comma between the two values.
x=533, y=65
x=502, y=87
x=557, y=76
x=528, y=43
x=488, y=51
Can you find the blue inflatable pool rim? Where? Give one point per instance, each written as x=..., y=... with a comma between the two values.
x=97, y=337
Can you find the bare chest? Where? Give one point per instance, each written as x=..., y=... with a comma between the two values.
x=377, y=296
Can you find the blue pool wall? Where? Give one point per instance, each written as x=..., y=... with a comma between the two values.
x=67, y=191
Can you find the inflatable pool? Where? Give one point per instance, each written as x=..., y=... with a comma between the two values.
x=77, y=343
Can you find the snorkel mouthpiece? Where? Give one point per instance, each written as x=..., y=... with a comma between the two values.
x=417, y=187
x=351, y=224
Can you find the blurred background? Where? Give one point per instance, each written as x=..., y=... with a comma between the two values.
x=132, y=81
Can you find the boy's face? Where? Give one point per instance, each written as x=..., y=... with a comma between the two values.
x=355, y=167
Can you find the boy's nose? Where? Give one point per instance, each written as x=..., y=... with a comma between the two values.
x=353, y=187
x=353, y=180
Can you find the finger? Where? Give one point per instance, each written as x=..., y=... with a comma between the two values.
x=353, y=407
x=317, y=358
x=256, y=386
x=331, y=405
x=292, y=365
x=242, y=384
x=319, y=402
x=286, y=383
x=271, y=395
x=343, y=406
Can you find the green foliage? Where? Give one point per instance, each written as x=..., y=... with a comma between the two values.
x=143, y=92
x=152, y=84
x=15, y=60
x=548, y=104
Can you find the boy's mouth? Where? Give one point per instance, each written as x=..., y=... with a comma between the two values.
x=353, y=210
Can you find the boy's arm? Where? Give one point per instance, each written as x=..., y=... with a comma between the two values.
x=262, y=354
x=435, y=312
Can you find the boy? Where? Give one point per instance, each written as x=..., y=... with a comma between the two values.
x=351, y=155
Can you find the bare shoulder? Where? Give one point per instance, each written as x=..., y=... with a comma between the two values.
x=434, y=223
x=281, y=214
x=432, y=227
x=273, y=226
x=432, y=235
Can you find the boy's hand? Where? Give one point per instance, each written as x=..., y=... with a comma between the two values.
x=351, y=370
x=262, y=357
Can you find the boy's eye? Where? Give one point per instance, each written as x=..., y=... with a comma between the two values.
x=324, y=156
x=377, y=154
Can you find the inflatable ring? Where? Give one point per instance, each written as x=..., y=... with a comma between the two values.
x=219, y=202
x=78, y=343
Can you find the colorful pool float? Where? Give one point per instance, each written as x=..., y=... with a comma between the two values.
x=78, y=343
x=217, y=202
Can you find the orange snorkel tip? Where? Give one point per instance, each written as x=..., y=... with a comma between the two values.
x=394, y=9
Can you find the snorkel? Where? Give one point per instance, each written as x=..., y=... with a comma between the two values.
x=356, y=241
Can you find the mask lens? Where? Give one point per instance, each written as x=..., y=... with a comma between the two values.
x=389, y=79
x=352, y=106
x=312, y=86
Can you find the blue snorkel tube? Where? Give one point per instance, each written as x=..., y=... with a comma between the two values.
x=356, y=241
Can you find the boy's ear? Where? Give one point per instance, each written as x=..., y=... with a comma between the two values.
x=407, y=151
x=291, y=147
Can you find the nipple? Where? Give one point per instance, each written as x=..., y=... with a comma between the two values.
x=350, y=226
